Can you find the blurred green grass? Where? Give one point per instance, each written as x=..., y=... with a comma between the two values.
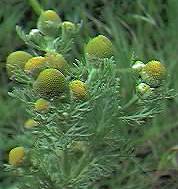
x=148, y=28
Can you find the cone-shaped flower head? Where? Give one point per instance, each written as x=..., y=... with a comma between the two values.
x=16, y=156
x=99, y=47
x=16, y=60
x=48, y=22
x=153, y=73
x=30, y=123
x=50, y=83
x=56, y=60
x=42, y=105
x=78, y=89
x=35, y=65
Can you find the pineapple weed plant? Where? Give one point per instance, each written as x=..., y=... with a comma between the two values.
x=79, y=131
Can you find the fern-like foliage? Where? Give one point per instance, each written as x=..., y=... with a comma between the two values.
x=78, y=142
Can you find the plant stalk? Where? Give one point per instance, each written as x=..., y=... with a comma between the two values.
x=36, y=6
x=133, y=100
x=81, y=166
x=66, y=163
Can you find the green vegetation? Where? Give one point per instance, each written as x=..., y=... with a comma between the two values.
x=140, y=31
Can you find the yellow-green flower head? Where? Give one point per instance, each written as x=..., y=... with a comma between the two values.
x=50, y=83
x=153, y=73
x=16, y=156
x=57, y=61
x=48, y=22
x=99, y=47
x=138, y=66
x=42, y=105
x=16, y=60
x=30, y=123
x=69, y=26
x=78, y=89
x=35, y=65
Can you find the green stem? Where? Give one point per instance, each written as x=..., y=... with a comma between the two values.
x=124, y=71
x=131, y=102
x=81, y=166
x=66, y=163
x=36, y=6
x=92, y=75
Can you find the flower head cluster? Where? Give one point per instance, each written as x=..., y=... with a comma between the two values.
x=80, y=116
x=49, y=80
x=50, y=70
x=152, y=75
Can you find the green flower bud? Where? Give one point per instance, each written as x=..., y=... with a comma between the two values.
x=16, y=60
x=16, y=156
x=144, y=91
x=30, y=123
x=35, y=65
x=42, y=105
x=69, y=27
x=99, y=47
x=48, y=22
x=138, y=66
x=78, y=89
x=57, y=61
x=50, y=83
x=153, y=73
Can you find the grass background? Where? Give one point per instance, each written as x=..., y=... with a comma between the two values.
x=148, y=28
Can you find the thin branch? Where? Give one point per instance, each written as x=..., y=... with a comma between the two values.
x=36, y=6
